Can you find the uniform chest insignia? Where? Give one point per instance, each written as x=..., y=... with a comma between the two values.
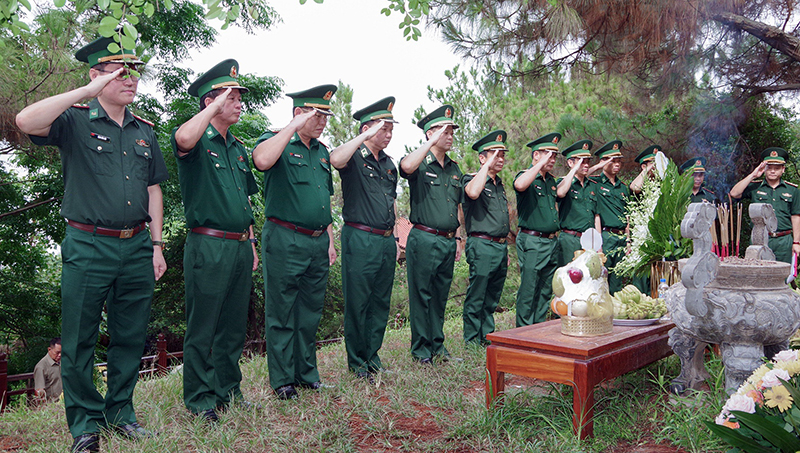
x=455, y=177
x=389, y=171
x=431, y=175
x=241, y=158
x=100, y=137
x=786, y=194
x=212, y=153
x=364, y=152
x=591, y=193
x=299, y=156
x=604, y=188
x=323, y=160
x=142, y=143
x=553, y=188
x=428, y=159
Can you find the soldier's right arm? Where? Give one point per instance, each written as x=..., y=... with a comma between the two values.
x=267, y=153
x=475, y=187
x=525, y=179
x=37, y=118
x=566, y=183
x=738, y=189
x=411, y=162
x=190, y=132
x=341, y=155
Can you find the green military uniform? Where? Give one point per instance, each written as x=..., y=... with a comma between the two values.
x=487, y=224
x=369, y=250
x=611, y=208
x=576, y=211
x=297, y=204
x=107, y=169
x=431, y=247
x=215, y=182
x=698, y=165
x=537, y=245
x=784, y=198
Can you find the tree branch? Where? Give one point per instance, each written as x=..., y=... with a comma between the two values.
x=773, y=36
x=28, y=207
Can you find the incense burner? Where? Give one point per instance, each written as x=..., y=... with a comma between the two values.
x=743, y=305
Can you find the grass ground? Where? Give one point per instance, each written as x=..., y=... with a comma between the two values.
x=413, y=409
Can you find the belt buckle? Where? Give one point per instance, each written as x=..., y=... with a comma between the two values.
x=450, y=235
x=317, y=233
x=387, y=233
x=126, y=234
x=243, y=236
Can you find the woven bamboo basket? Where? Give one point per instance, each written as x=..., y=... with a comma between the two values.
x=579, y=326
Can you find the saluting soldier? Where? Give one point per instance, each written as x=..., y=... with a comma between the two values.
x=487, y=225
x=297, y=239
x=782, y=195
x=647, y=162
x=220, y=254
x=112, y=165
x=577, y=201
x=611, y=204
x=435, y=185
x=369, y=248
x=697, y=166
x=537, y=244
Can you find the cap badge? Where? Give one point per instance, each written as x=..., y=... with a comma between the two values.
x=698, y=163
x=328, y=96
x=585, y=146
x=773, y=154
x=390, y=106
x=616, y=146
x=233, y=72
x=500, y=138
x=555, y=139
x=448, y=113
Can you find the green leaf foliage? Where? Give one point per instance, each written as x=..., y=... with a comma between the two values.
x=732, y=437
x=772, y=432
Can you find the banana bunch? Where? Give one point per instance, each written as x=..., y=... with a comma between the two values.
x=630, y=303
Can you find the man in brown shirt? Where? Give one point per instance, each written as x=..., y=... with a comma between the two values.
x=47, y=373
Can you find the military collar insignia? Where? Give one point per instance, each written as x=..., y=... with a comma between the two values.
x=364, y=152
x=94, y=113
x=428, y=159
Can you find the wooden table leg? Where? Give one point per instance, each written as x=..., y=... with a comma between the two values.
x=495, y=381
x=583, y=401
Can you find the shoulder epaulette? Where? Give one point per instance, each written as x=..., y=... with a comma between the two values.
x=323, y=144
x=237, y=139
x=472, y=174
x=143, y=120
x=709, y=191
x=791, y=184
x=81, y=106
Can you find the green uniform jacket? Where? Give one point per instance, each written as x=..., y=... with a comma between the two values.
x=215, y=182
x=107, y=168
x=703, y=194
x=537, y=205
x=303, y=185
x=578, y=208
x=785, y=198
x=369, y=188
x=435, y=193
x=489, y=213
x=611, y=202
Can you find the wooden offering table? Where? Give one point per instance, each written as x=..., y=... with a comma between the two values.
x=541, y=351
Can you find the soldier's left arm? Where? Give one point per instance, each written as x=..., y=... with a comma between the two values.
x=156, y=212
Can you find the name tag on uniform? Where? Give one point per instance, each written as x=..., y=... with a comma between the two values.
x=100, y=137
x=432, y=175
x=370, y=167
x=299, y=156
x=212, y=153
x=787, y=195
x=760, y=192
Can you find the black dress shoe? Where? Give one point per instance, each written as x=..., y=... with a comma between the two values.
x=286, y=392
x=239, y=404
x=366, y=376
x=316, y=386
x=134, y=431
x=86, y=443
x=208, y=415
x=425, y=361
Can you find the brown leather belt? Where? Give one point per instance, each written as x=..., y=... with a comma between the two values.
x=122, y=234
x=369, y=229
x=299, y=229
x=538, y=234
x=241, y=236
x=572, y=232
x=619, y=231
x=501, y=240
x=780, y=233
x=447, y=234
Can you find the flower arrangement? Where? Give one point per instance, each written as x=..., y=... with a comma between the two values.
x=762, y=416
x=655, y=217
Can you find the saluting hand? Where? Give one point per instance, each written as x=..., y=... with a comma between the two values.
x=219, y=101
x=369, y=133
x=98, y=83
x=299, y=120
x=436, y=135
x=759, y=170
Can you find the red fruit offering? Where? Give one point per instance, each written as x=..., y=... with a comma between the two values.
x=576, y=275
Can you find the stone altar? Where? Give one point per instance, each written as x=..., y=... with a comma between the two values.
x=744, y=306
